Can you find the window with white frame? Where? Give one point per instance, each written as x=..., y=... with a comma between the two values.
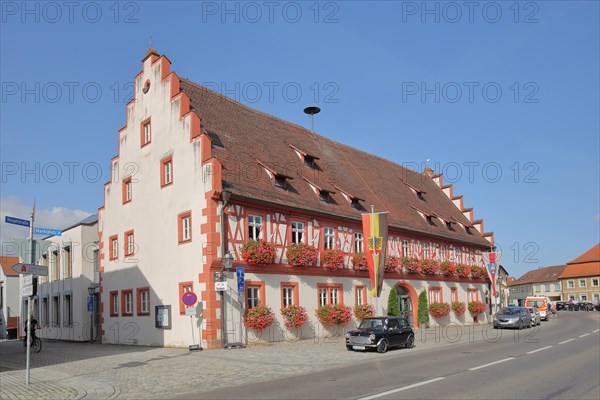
x=435, y=295
x=596, y=296
x=297, y=232
x=186, y=228
x=147, y=133
x=557, y=287
x=329, y=295
x=288, y=296
x=328, y=237
x=547, y=287
x=360, y=295
x=443, y=253
x=594, y=282
x=254, y=227
x=405, y=248
x=253, y=296
x=130, y=244
x=358, y=242
x=145, y=301
x=582, y=283
x=129, y=302
x=538, y=288
x=425, y=251
x=114, y=248
x=583, y=297
x=114, y=301
x=570, y=284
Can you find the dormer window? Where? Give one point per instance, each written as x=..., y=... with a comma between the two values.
x=468, y=230
x=449, y=226
x=420, y=195
x=352, y=199
x=355, y=203
x=324, y=196
x=429, y=219
x=280, y=181
x=308, y=159
x=416, y=190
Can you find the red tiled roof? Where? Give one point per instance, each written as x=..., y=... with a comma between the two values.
x=7, y=263
x=580, y=270
x=548, y=274
x=591, y=255
x=246, y=135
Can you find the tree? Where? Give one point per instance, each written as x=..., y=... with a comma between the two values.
x=392, y=308
x=423, y=309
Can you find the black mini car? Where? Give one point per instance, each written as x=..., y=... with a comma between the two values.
x=381, y=333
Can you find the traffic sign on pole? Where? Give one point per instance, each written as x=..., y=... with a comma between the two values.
x=16, y=221
x=30, y=269
x=189, y=298
x=47, y=231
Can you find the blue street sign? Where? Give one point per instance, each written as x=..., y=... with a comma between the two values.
x=47, y=231
x=16, y=221
x=90, y=304
x=239, y=271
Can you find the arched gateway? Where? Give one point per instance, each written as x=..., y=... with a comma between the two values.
x=407, y=301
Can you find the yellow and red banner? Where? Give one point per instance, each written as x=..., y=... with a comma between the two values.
x=375, y=234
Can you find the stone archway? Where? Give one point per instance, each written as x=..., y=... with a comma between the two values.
x=413, y=297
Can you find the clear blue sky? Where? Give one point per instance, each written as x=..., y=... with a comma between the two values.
x=503, y=99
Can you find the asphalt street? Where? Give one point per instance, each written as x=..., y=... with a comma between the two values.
x=559, y=360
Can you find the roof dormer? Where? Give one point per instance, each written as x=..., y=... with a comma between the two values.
x=320, y=190
x=279, y=178
x=307, y=159
x=415, y=190
x=353, y=200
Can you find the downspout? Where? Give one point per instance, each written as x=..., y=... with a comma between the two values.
x=225, y=196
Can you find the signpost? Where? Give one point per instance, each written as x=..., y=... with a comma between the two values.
x=240, y=273
x=190, y=299
x=30, y=269
x=220, y=286
x=90, y=304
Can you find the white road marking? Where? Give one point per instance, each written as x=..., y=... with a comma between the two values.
x=566, y=341
x=535, y=351
x=492, y=363
x=414, y=385
x=597, y=330
x=585, y=334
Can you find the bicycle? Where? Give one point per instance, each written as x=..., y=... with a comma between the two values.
x=35, y=343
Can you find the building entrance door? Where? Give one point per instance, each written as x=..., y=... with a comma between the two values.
x=404, y=304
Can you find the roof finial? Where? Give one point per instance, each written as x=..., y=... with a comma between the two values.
x=427, y=171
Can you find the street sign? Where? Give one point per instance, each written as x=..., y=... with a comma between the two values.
x=189, y=298
x=27, y=279
x=16, y=221
x=190, y=311
x=30, y=269
x=220, y=286
x=47, y=231
x=90, y=304
x=239, y=272
x=27, y=290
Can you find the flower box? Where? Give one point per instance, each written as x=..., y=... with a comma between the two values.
x=411, y=265
x=464, y=271
x=430, y=267
x=259, y=318
x=478, y=272
x=448, y=268
x=332, y=259
x=459, y=307
x=258, y=252
x=337, y=314
x=477, y=307
x=363, y=311
x=439, y=310
x=359, y=261
x=294, y=316
x=392, y=264
x=301, y=255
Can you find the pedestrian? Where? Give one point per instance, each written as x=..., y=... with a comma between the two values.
x=554, y=312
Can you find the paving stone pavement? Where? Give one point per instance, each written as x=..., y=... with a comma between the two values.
x=64, y=370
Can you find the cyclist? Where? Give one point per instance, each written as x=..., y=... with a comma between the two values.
x=34, y=326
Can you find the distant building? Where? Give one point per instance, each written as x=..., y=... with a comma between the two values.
x=61, y=304
x=581, y=278
x=538, y=282
x=10, y=295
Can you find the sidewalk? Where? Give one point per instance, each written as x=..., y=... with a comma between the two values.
x=94, y=371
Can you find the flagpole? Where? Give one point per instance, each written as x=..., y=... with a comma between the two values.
x=375, y=272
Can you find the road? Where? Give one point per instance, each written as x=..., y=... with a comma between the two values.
x=560, y=360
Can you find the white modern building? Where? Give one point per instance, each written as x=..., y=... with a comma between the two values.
x=61, y=304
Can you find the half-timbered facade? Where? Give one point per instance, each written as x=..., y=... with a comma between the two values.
x=199, y=175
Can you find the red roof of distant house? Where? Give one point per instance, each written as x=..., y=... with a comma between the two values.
x=587, y=264
x=242, y=135
x=548, y=274
x=7, y=263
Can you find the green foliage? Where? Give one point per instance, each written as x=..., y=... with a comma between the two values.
x=392, y=308
x=423, y=310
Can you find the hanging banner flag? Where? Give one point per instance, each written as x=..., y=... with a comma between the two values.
x=375, y=231
x=491, y=268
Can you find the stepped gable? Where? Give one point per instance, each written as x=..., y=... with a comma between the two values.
x=246, y=141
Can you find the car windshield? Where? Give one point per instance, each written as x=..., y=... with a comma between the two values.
x=509, y=311
x=371, y=324
x=535, y=303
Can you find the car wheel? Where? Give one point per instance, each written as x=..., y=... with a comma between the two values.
x=349, y=348
x=383, y=346
x=410, y=342
x=520, y=325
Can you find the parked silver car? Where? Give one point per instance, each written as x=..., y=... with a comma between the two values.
x=536, y=319
x=512, y=317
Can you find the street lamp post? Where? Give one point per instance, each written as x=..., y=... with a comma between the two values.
x=91, y=291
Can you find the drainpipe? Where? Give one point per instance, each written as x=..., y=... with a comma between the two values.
x=225, y=196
